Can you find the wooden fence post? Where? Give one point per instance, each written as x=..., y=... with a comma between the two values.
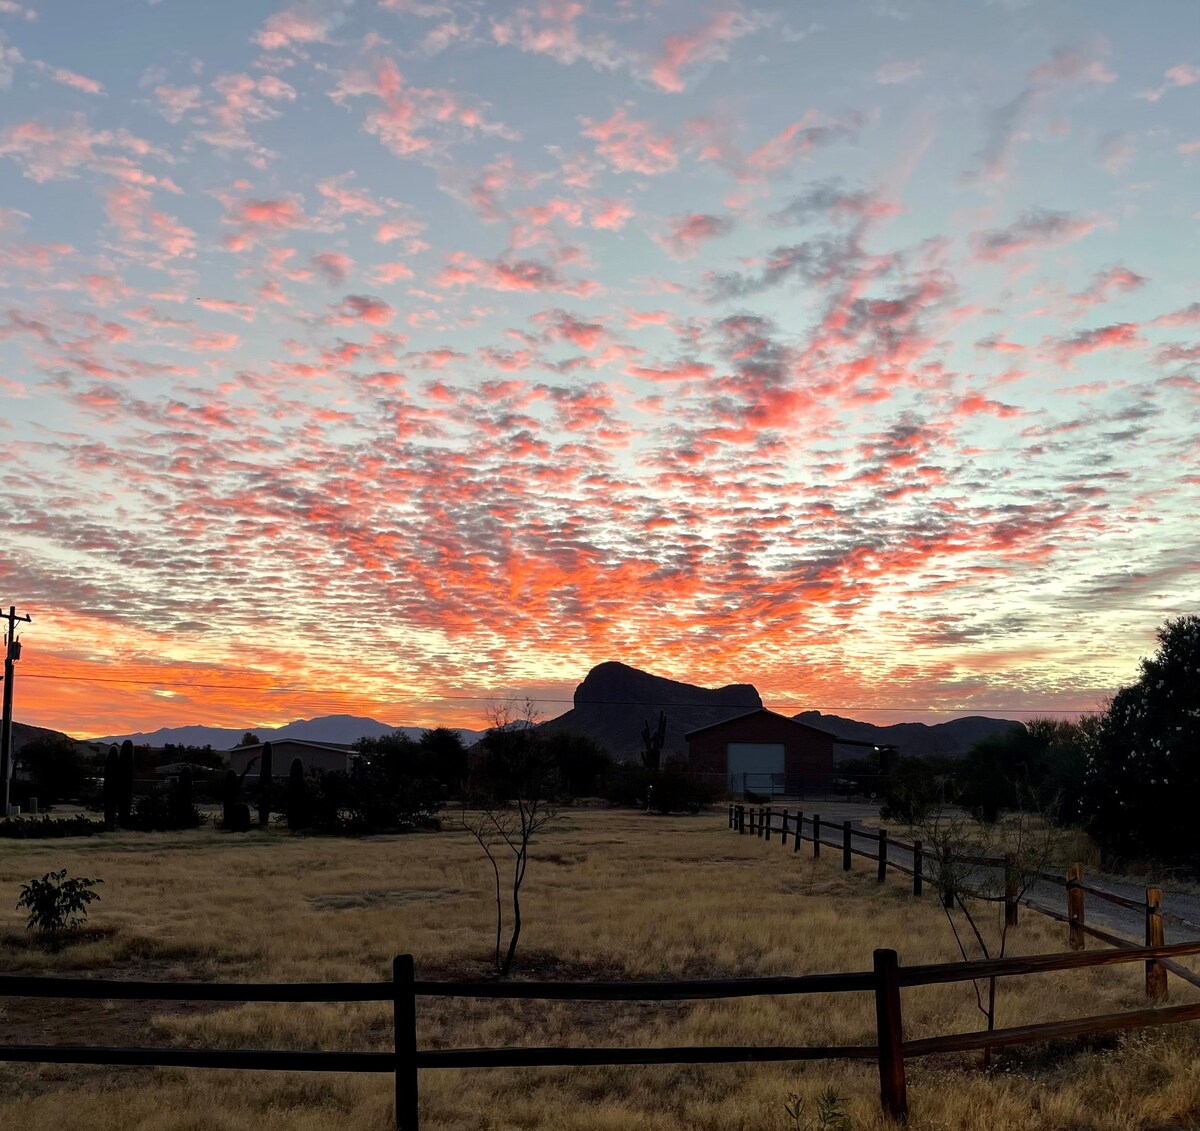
x=799, y=830
x=1075, y=911
x=768, y=825
x=816, y=835
x=740, y=819
x=847, y=833
x=1156, y=972
x=916, y=867
x=731, y=814
x=783, y=831
x=1010, y=890
x=883, y=845
x=404, y=1025
x=893, y=1091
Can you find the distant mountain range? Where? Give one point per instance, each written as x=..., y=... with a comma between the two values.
x=611, y=705
x=343, y=729
x=951, y=738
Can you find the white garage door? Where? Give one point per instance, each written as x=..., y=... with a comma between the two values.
x=756, y=766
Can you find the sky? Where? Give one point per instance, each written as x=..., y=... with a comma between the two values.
x=395, y=357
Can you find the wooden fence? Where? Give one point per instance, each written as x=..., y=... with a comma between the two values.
x=761, y=821
x=406, y=1060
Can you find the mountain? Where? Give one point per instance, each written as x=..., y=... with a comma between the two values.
x=328, y=728
x=913, y=739
x=614, y=700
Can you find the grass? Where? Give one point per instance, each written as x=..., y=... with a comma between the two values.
x=611, y=895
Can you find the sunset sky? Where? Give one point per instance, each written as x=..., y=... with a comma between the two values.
x=383, y=357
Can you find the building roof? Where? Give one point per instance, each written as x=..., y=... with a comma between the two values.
x=760, y=711
x=337, y=747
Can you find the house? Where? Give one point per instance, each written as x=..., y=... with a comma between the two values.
x=763, y=752
x=313, y=756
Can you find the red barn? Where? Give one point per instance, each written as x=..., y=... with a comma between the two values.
x=762, y=752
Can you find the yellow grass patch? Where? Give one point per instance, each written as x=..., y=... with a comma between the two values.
x=610, y=895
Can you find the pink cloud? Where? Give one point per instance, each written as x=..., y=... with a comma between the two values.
x=176, y=101
x=1034, y=228
x=1113, y=280
x=129, y=211
x=463, y=270
x=630, y=146
x=1121, y=335
x=244, y=102
x=257, y=219
x=388, y=273
x=215, y=342
x=562, y=326
x=1182, y=74
x=705, y=44
x=363, y=308
x=552, y=29
x=611, y=215
x=344, y=199
x=334, y=266
x=688, y=233
x=70, y=78
x=241, y=310
x=292, y=28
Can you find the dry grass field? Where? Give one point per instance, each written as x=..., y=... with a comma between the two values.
x=609, y=894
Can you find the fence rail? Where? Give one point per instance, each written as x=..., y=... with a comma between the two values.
x=886, y=981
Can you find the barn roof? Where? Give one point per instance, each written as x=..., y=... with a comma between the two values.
x=761, y=711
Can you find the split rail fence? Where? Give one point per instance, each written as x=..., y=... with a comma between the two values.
x=761, y=821
x=407, y=1060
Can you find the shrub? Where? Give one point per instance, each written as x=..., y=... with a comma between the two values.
x=238, y=820
x=57, y=903
x=37, y=828
x=297, y=802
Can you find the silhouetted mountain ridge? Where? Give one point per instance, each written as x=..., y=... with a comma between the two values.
x=615, y=700
x=950, y=738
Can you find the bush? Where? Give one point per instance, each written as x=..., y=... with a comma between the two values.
x=37, y=828
x=57, y=903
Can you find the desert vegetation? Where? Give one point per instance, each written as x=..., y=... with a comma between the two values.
x=615, y=895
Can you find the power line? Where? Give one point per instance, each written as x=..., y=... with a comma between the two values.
x=345, y=696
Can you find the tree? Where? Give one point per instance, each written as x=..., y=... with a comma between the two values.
x=125, y=778
x=508, y=801
x=266, y=781
x=954, y=843
x=439, y=755
x=298, y=817
x=1143, y=769
x=249, y=739
x=112, y=787
x=55, y=766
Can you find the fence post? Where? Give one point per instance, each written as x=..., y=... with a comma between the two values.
x=1010, y=889
x=742, y=819
x=883, y=845
x=1156, y=972
x=916, y=867
x=1075, y=912
x=768, y=825
x=731, y=814
x=404, y=1024
x=783, y=831
x=847, y=833
x=946, y=877
x=893, y=1091
x=816, y=835
x=799, y=830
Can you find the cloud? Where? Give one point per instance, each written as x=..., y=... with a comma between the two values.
x=334, y=266
x=1116, y=151
x=553, y=29
x=294, y=28
x=69, y=78
x=1035, y=228
x=898, y=71
x=1182, y=74
x=688, y=233
x=363, y=308
x=773, y=158
x=705, y=44
x=630, y=146
x=1120, y=335
x=533, y=275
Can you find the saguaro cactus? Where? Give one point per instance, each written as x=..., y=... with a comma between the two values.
x=264, y=785
x=653, y=742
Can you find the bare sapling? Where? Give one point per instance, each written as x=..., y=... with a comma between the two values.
x=508, y=800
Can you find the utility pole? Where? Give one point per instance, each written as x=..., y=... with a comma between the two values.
x=12, y=653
